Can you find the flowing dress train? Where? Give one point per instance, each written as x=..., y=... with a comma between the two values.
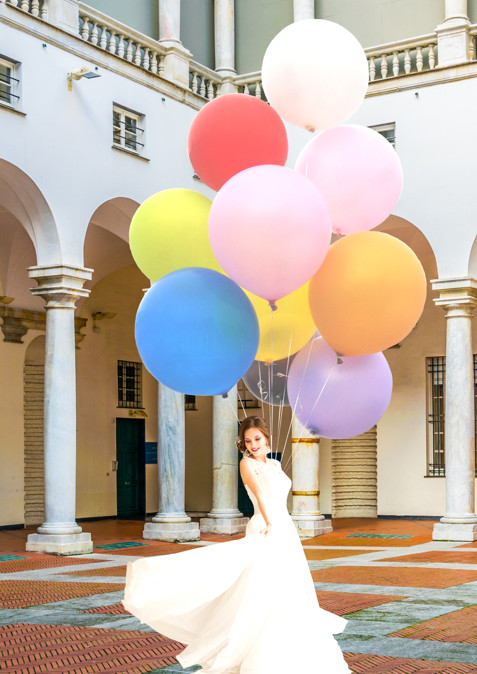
x=242, y=607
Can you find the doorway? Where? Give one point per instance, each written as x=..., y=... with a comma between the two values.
x=131, y=471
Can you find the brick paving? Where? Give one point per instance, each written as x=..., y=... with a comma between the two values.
x=372, y=664
x=105, y=571
x=57, y=619
x=343, y=603
x=53, y=648
x=23, y=593
x=394, y=576
x=458, y=627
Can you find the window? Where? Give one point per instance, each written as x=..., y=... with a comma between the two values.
x=9, y=85
x=129, y=384
x=127, y=129
x=189, y=403
x=436, y=382
x=388, y=131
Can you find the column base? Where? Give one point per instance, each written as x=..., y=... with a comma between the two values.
x=228, y=526
x=311, y=527
x=172, y=532
x=444, y=531
x=60, y=544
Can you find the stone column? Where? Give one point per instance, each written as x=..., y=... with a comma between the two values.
x=171, y=522
x=225, y=517
x=459, y=298
x=176, y=60
x=60, y=286
x=224, y=30
x=303, y=9
x=305, y=483
x=453, y=36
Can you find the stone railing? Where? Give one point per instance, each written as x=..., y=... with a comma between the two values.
x=392, y=60
x=250, y=83
x=203, y=81
x=120, y=40
x=37, y=8
x=402, y=58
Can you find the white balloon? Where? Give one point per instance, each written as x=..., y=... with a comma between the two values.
x=315, y=74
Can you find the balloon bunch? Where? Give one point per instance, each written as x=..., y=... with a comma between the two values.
x=242, y=284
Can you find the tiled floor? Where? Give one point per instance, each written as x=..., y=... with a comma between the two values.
x=411, y=603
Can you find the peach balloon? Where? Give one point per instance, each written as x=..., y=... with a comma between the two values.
x=368, y=294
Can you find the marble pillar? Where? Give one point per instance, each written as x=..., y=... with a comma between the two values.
x=224, y=30
x=453, y=35
x=225, y=517
x=171, y=522
x=60, y=286
x=176, y=59
x=305, y=484
x=459, y=298
x=303, y=9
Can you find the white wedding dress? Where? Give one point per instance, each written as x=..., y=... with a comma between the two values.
x=242, y=607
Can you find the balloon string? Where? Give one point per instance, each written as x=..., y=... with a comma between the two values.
x=312, y=410
x=298, y=394
x=282, y=401
x=270, y=379
x=241, y=403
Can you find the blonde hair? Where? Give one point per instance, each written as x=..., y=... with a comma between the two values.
x=247, y=424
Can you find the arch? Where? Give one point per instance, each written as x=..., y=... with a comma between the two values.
x=21, y=197
x=413, y=237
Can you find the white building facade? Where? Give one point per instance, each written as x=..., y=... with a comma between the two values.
x=94, y=112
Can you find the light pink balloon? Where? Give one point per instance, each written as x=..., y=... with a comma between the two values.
x=357, y=171
x=270, y=230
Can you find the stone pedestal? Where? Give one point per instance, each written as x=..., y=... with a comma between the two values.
x=306, y=515
x=453, y=36
x=224, y=518
x=171, y=522
x=459, y=298
x=60, y=286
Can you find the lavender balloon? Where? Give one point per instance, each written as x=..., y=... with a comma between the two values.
x=338, y=397
x=268, y=381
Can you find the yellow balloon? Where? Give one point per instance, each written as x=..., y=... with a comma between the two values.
x=285, y=331
x=169, y=232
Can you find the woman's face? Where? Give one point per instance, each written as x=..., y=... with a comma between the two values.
x=255, y=442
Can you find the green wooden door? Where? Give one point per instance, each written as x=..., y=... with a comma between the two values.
x=130, y=476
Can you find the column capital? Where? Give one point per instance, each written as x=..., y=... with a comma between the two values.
x=60, y=285
x=457, y=296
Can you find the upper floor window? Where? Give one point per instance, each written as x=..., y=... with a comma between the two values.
x=9, y=84
x=436, y=395
x=127, y=129
x=388, y=131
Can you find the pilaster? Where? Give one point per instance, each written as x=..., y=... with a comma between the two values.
x=458, y=297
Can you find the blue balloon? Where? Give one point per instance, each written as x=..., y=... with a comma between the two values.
x=197, y=331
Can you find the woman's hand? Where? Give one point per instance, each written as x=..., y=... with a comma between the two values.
x=267, y=529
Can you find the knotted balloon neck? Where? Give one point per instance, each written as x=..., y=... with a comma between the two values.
x=273, y=305
x=339, y=360
x=225, y=395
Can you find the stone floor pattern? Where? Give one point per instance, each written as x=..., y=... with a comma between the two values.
x=411, y=603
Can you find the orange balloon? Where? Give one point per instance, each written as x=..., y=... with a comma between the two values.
x=368, y=294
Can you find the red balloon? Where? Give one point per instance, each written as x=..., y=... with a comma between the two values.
x=232, y=133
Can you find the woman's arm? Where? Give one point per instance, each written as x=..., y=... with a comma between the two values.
x=249, y=478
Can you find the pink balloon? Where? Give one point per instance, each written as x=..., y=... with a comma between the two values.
x=357, y=171
x=270, y=230
x=338, y=400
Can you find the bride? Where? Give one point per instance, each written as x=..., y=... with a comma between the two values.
x=246, y=606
